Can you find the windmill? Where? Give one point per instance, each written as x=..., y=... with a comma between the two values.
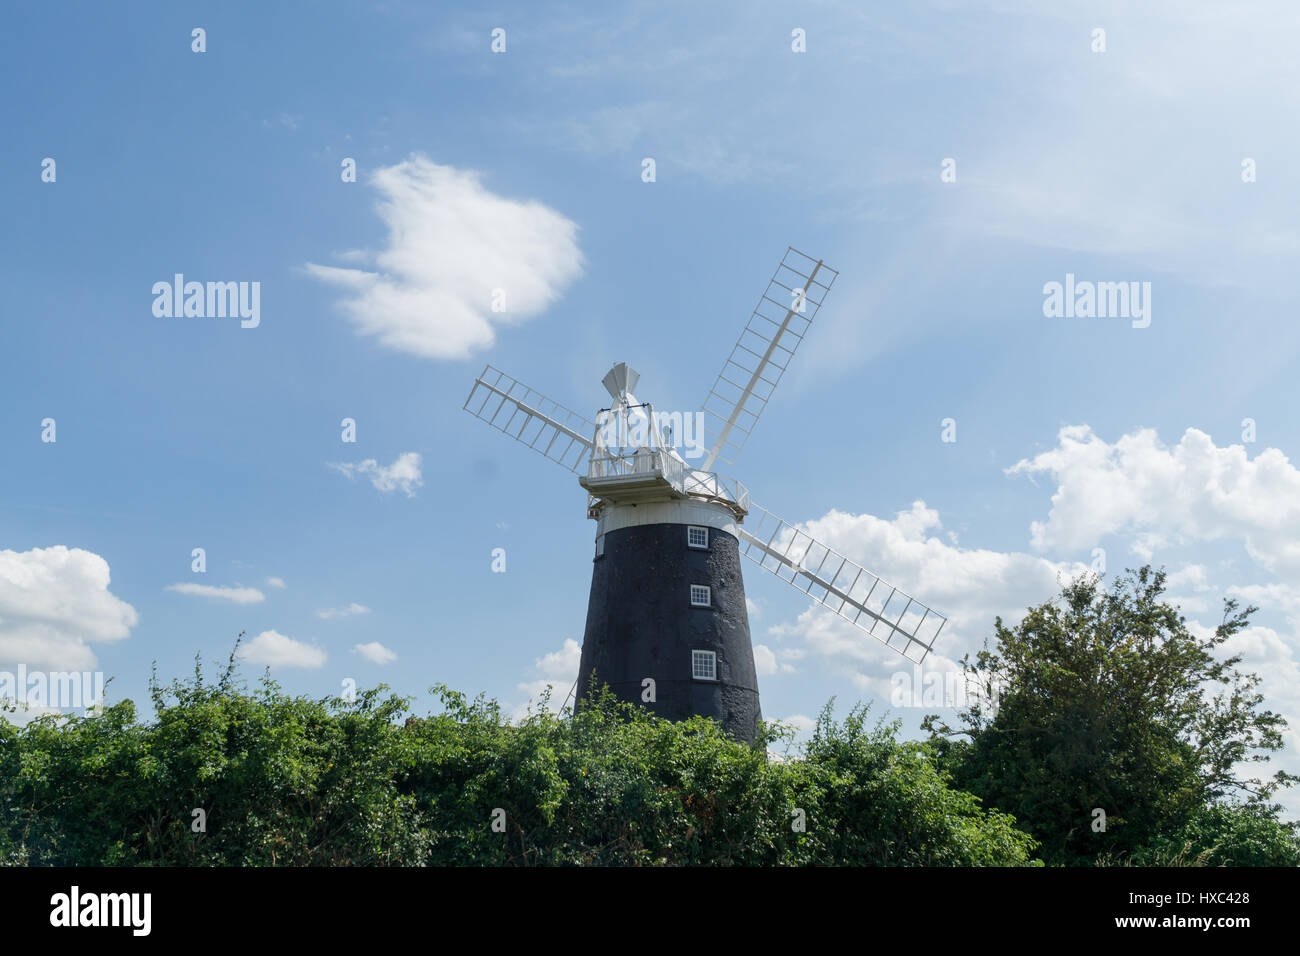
x=667, y=622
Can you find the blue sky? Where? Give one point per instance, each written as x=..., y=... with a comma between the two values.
x=523, y=169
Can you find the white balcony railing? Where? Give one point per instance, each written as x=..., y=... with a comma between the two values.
x=705, y=484
x=645, y=461
x=679, y=475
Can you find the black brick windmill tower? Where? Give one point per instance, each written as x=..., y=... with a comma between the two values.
x=667, y=625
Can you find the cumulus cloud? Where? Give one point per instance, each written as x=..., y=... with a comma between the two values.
x=557, y=670
x=1271, y=655
x=1135, y=487
x=402, y=475
x=351, y=609
x=276, y=583
x=1276, y=596
x=1266, y=652
x=1194, y=491
x=768, y=661
x=374, y=652
x=54, y=603
x=971, y=586
x=274, y=649
x=1191, y=576
x=451, y=244
x=222, y=592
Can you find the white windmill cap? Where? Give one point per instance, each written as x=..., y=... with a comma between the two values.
x=620, y=380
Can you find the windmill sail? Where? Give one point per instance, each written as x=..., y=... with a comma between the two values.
x=546, y=427
x=848, y=589
x=761, y=355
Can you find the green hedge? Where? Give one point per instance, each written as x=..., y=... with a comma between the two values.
x=291, y=781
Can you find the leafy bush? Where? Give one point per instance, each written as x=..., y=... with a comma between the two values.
x=1236, y=834
x=291, y=781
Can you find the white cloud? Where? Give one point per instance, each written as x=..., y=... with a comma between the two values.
x=1189, y=589
x=1194, y=491
x=351, y=609
x=234, y=595
x=1272, y=656
x=768, y=661
x=451, y=242
x=970, y=586
x=375, y=652
x=403, y=474
x=557, y=670
x=802, y=725
x=1267, y=653
x=276, y=583
x=55, y=602
x=1135, y=488
x=276, y=650
x=24, y=713
x=800, y=722
x=1277, y=596
x=1189, y=576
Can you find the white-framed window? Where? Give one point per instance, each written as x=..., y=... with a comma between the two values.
x=600, y=546
x=700, y=595
x=704, y=665
x=697, y=537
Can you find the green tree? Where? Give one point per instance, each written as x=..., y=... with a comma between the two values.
x=1104, y=700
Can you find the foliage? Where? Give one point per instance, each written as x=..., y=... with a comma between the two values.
x=291, y=781
x=1230, y=834
x=1106, y=700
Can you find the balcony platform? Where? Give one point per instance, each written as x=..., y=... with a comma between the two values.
x=634, y=488
x=651, y=475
